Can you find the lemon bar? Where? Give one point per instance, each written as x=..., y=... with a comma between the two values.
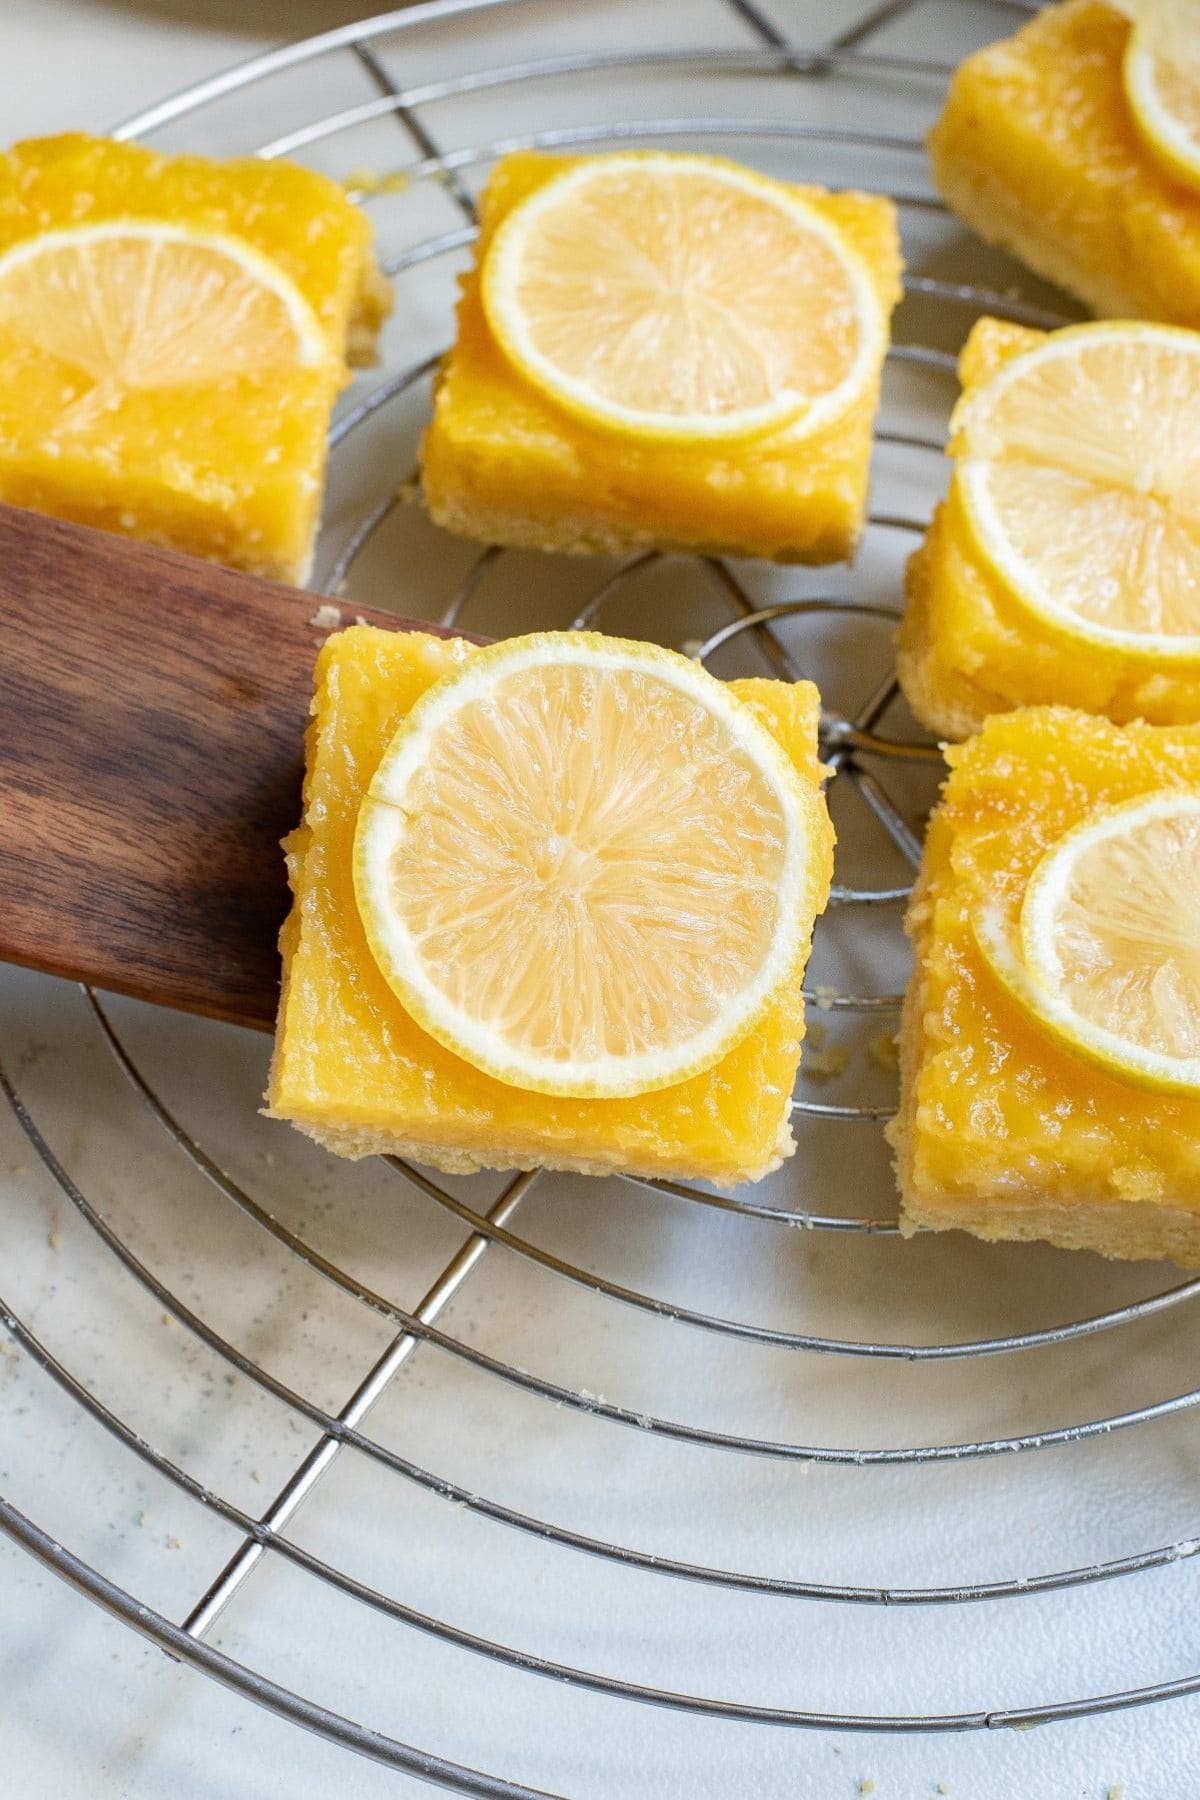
x=173, y=333
x=1037, y=150
x=356, y=1072
x=1003, y=1130
x=503, y=462
x=968, y=648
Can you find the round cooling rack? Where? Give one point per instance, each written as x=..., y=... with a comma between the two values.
x=490, y=1479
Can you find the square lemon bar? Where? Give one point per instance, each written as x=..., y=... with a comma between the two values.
x=967, y=648
x=502, y=462
x=356, y=1072
x=173, y=334
x=1003, y=1131
x=1038, y=151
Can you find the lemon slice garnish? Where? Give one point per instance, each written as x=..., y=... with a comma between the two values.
x=140, y=306
x=1161, y=72
x=1079, y=474
x=682, y=297
x=1106, y=952
x=585, y=867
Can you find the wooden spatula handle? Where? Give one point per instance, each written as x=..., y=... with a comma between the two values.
x=152, y=711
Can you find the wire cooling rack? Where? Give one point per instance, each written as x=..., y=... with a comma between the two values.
x=814, y=1435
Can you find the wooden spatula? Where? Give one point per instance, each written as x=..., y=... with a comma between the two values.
x=152, y=715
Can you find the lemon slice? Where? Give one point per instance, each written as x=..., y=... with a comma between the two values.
x=1110, y=942
x=137, y=306
x=682, y=297
x=1161, y=72
x=1079, y=474
x=585, y=867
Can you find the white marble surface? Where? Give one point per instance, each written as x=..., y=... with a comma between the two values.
x=90, y=1712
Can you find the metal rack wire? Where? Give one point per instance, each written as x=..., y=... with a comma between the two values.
x=862, y=747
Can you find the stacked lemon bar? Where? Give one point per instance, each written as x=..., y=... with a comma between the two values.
x=664, y=350
x=173, y=333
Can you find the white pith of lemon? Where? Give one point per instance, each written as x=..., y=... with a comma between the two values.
x=1105, y=951
x=1161, y=73
x=585, y=867
x=139, y=306
x=682, y=297
x=1079, y=474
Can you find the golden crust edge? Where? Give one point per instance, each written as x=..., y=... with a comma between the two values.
x=356, y=1143
x=945, y=702
x=583, y=533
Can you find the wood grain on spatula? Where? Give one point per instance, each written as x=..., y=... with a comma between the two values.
x=152, y=715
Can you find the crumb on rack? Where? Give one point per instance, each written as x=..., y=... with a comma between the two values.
x=823, y=1061
x=825, y=996
x=884, y=1048
x=366, y=182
